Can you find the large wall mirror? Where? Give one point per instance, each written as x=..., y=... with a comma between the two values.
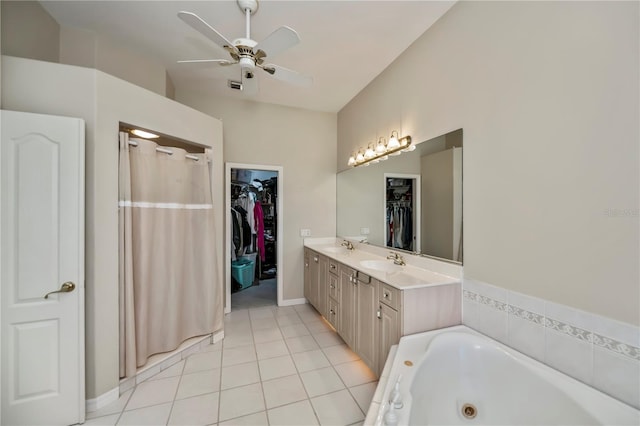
x=410, y=202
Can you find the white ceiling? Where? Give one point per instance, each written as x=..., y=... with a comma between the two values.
x=345, y=44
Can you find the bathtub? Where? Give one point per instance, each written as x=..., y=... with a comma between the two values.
x=458, y=376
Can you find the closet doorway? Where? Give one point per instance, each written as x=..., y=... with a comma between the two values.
x=253, y=266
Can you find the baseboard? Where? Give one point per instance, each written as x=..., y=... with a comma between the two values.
x=102, y=400
x=217, y=337
x=151, y=370
x=291, y=302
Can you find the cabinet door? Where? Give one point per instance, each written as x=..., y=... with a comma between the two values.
x=333, y=314
x=321, y=299
x=366, y=323
x=307, y=272
x=313, y=279
x=389, y=332
x=348, y=298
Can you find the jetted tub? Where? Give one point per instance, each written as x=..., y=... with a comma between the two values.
x=458, y=376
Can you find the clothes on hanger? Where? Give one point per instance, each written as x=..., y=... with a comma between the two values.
x=259, y=221
x=400, y=225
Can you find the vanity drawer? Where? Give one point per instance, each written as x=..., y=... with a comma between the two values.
x=333, y=267
x=333, y=286
x=390, y=296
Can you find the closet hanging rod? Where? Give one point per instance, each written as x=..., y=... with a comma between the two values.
x=167, y=151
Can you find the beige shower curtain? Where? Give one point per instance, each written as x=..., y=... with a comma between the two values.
x=168, y=288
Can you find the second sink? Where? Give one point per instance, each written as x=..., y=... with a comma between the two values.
x=381, y=265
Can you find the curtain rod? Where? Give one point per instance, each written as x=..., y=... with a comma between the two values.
x=167, y=151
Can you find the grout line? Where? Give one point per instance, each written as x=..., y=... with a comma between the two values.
x=175, y=394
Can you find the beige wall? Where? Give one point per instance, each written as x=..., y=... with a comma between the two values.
x=547, y=96
x=49, y=88
x=304, y=144
x=28, y=31
x=86, y=49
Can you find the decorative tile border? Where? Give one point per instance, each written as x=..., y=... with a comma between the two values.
x=525, y=315
x=619, y=348
x=569, y=330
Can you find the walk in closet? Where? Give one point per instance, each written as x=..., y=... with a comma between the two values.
x=253, y=230
x=401, y=197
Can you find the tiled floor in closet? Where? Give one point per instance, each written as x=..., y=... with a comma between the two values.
x=276, y=366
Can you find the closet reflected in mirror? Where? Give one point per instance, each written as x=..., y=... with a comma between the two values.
x=410, y=202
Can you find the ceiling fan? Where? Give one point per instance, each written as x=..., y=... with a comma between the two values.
x=247, y=53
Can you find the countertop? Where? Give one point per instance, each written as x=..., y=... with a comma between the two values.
x=401, y=277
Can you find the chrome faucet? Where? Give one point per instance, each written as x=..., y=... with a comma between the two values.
x=348, y=245
x=397, y=258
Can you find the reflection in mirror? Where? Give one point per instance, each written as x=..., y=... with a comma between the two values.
x=434, y=171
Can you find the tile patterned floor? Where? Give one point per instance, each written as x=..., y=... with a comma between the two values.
x=276, y=366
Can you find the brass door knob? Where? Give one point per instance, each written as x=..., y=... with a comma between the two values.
x=66, y=288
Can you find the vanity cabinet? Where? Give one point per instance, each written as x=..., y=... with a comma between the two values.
x=323, y=267
x=333, y=294
x=388, y=332
x=311, y=276
x=371, y=315
x=366, y=330
x=358, y=322
x=347, y=290
x=315, y=280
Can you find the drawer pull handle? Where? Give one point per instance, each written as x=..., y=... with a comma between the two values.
x=385, y=295
x=315, y=259
x=333, y=266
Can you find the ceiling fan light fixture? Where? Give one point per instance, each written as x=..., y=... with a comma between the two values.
x=248, y=53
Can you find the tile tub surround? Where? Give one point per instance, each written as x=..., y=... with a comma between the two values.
x=598, y=351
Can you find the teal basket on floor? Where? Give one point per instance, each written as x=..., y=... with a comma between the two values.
x=242, y=271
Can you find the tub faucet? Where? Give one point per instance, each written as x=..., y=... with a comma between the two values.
x=397, y=258
x=348, y=245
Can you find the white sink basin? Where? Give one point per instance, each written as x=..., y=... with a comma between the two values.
x=381, y=265
x=336, y=250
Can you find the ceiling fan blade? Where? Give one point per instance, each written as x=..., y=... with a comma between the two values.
x=207, y=61
x=287, y=75
x=278, y=41
x=195, y=22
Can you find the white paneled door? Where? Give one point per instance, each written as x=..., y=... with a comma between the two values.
x=42, y=253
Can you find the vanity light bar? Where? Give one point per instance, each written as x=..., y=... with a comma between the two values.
x=381, y=150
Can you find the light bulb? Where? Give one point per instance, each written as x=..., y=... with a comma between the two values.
x=393, y=141
x=359, y=157
x=380, y=147
x=352, y=160
x=369, y=153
